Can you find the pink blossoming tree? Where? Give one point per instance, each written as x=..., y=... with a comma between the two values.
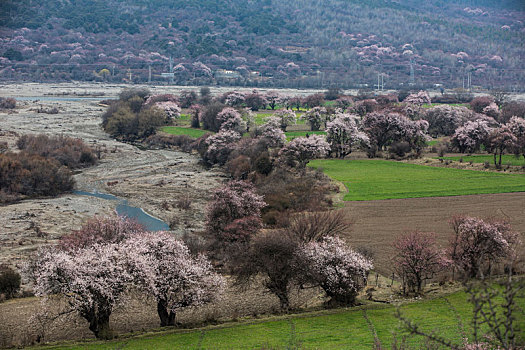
x=234, y=212
x=92, y=279
x=299, y=151
x=477, y=243
x=470, y=136
x=340, y=271
x=343, y=135
x=167, y=271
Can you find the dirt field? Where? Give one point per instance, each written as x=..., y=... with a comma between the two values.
x=377, y=223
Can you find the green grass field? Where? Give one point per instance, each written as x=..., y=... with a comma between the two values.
x=330, y=329
x=383, y=179
x=178, y=130
x=260, y=117
x=506, y=159
x=293, y=134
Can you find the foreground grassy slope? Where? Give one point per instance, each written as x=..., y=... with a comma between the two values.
x=382, y=179
x=332, y=329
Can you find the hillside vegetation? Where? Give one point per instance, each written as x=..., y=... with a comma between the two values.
x=301, y=43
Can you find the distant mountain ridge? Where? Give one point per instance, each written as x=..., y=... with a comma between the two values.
x=297, y=43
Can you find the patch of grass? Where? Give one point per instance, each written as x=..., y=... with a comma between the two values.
x=329, y=329
x=290, y=135
x=261, y=116
x=506, y=159
x=432, y=143
x=383, y=179
x=178, y=130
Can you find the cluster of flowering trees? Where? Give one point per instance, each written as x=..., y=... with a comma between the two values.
x=505, y=138
x=474, y=248
x=94, y=267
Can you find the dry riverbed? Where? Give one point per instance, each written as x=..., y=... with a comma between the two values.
x=150, y=179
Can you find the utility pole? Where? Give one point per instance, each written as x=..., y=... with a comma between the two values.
x=412, y=73
x=129, y=73
x=149, y=74
x=382, y=83
x=113, y=72
x=171, y=70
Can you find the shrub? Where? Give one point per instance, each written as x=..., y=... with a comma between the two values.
x=100, y=230
x=23, y=174
x=479, y=103
x=399, y=149
x=7, y=103
x=314, y=100
x=73, y=153
x=127, y=94
x=209, y=116
x=9, y=282
x=511, y=109
x=315, y=226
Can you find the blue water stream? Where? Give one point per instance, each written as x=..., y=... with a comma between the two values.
x=151, y=223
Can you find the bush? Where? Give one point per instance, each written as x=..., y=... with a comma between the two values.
x=126, y=124
x=479, y=103
x=511, y=109
x=399, y=149
x=9, y=282
x=127, y=94
x=7, y=103
x=209, y=116
x=28, y=175
x=73, y=153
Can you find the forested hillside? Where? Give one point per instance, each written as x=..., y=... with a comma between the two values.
x=298, y=43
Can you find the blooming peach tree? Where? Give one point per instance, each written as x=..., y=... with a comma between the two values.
x=92, y=279
x=477, y=242
x=343, y=135
x=340, y=271
x=299, y=151
x=234, y=213
x=286, y=117
x=166, y=270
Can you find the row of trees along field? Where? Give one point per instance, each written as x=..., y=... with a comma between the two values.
x=374, y=124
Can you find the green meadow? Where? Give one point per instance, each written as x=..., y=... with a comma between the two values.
x=328, y=329
x=383, y=179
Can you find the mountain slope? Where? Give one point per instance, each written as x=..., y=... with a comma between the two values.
x=303, y=43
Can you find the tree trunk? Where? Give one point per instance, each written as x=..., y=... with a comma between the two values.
x=167, y=318
x=99, y=325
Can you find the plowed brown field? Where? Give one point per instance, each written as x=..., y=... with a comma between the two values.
x=377, y=223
